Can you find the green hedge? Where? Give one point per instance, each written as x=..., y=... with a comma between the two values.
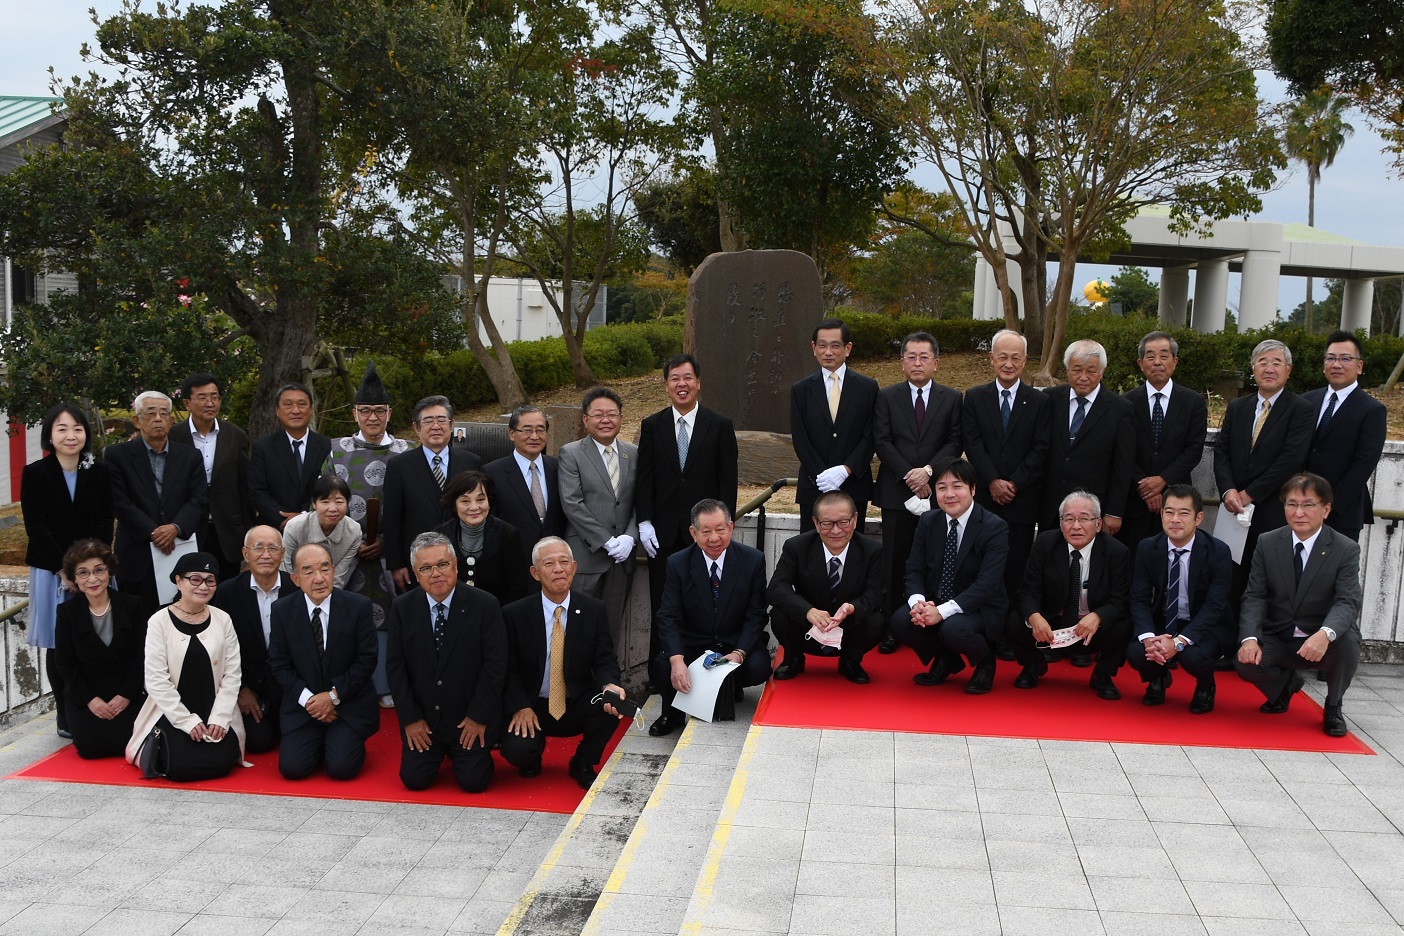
x=880, y=335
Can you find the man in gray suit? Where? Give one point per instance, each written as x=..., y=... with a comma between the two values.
x=597, y=476
x=1301, y=609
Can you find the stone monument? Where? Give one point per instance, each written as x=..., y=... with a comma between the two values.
x=750, y=315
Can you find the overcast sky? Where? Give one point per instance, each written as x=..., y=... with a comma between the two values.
x=1358, y=197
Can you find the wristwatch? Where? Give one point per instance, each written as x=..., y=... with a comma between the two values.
x=336, y=699
x=1180, y=644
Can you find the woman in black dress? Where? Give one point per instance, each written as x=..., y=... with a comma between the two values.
x=101, y=637
x=489, y=549
x=64, y=497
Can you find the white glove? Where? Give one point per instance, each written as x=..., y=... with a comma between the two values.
x=831, y=479
x=1245, y=519
x=648, y=539
x=620, y=548
x=917, y=505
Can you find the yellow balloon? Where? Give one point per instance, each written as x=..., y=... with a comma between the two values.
x=1097, y=291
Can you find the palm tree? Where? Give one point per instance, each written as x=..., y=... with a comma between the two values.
x=1315, y=133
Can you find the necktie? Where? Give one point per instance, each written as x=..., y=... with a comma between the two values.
x=437, y=463
x=1077, y=419
x=1004, y=408
x=1073, y=604
x=297, y=453
x=833, y=397
x=1172, y=588
x=440, y=619
x=538, y=496
x=682, y=443
x=318, y=640
x=1157, y=420
x=612, y=466
x=1330, y=411
x=835, y=576
x=716, y=587
x=1298, y=564
x=1262, y=418
x=948, y=563
x=920, y=409
x=556, y=701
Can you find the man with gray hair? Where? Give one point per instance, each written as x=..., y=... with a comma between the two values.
x=159, y=495
x=1263, y=441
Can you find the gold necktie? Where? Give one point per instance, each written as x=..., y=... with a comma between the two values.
x=538, y=496
x=833, y=397
x=612, y=466
x=556, y=701
x=1262, y=418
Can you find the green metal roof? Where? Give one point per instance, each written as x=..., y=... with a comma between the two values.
x=17, y=113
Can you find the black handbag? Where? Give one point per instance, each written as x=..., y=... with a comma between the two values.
x=176, y=756
x=154, y=754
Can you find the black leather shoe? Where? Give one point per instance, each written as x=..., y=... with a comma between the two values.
x=1104, y=687
x=667, y=723
x=791, y=668
x=1004, y=652
x=1155, y=690
x=1280, y=704
x=65, y=734
x=530, y=770
x=1028, y=676
x=582, y=773
x=1050, y=655
x=1080, y=658
x=889, y=644
x=1333, y=722
x=1203, y=701
x=854, y=672
x=942, y=668
x=983, y=679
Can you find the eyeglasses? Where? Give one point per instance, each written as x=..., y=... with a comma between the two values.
x=1292, y=506
x=443, y=566
x=264, y=549
x=1341, y=359
x=378, y=411
x=434, y=420
x=95, y=572
x=1080, y=519
x=828, y=526
x=202, y=581
x=918, y=358
x=531, y=430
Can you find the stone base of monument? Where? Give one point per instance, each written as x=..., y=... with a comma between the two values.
x=765, y=456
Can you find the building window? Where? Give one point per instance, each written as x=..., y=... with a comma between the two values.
x=24, y=286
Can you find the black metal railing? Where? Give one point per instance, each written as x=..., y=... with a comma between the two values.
x=757, y=505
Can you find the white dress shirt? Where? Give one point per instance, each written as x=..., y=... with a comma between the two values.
x=548, y=611
x=326, y=632
x=947, y=608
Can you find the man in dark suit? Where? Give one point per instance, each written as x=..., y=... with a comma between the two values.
x=1302, y=606
x=916, y=424
x=954, y=590
x=321, y=650
x=1179, y=601
x=1171, y=422
x=598, y=475
x=559, y=659
x=414, y=484
x=1004, y=425
x=1079, y=577
x=687, y=453
x=828, y=580
x=447, y=663
x=528, y=481
x=224, y=452
x=714, y=600
x=831, y=424
x=159, y=495
x=287, y=462
x=1263, y=441
x=248, y=600
x=1349, y=436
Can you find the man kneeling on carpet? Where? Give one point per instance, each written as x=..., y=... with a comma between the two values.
x=560, y=659
x=827, y=591
x=446, y=659
x=321, y=650
x=1179, y=601
x=1301, y=609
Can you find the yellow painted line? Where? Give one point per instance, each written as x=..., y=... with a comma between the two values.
x=707, y=877
x=47, y=719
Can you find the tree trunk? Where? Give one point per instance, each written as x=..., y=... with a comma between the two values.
x=1311, y=222
x=497, y=360
x=731, y=239
x=1032, y=272
x=1055, y=320
x=285, y=340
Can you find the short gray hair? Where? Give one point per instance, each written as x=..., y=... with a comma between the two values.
x=1157, y=336
x=1082, y=350
x=1271, y=344
x=261, y=526
x=145, y=395
x=1082, y=495
x=709, y=505
x=1009, y=333
x=550, y=541
x=427, y=540
x=429, y=401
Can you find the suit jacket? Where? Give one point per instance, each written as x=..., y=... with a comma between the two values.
x=1181, y=440
x=1210, y=573
x=182, y=501
x=1328, y=595
x=1102, y=459
x=230, y=507
x=347, y=663
x=801, y=578
x=499, y=569
x=590, y=664
x=275, y=482
x=409, y=503
x=822, y=442
x=666, y=493
x=1045, y=587
x=1018, y=454
x=980, y=558
x=689, y=618
x=53, y=521
x=594, y=511
x=237, y=599
x=1262, y=469
x=1346, y=453
x=465, y=680
x=900, y=447
x=512, y=501
x=91, y=668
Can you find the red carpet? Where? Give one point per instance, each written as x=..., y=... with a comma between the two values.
x=1062, y=707
x=553, y=791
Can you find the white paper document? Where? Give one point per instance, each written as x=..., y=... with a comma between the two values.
x=163, y=565
x=701, y=702
x=1064, y=637
x=1230, y=532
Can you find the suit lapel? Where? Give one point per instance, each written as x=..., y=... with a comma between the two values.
x=1016, y=408
x=972, y=528
x=1320, y=551
x=1344, y=409
x=1094, y=415
x=456, y=621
